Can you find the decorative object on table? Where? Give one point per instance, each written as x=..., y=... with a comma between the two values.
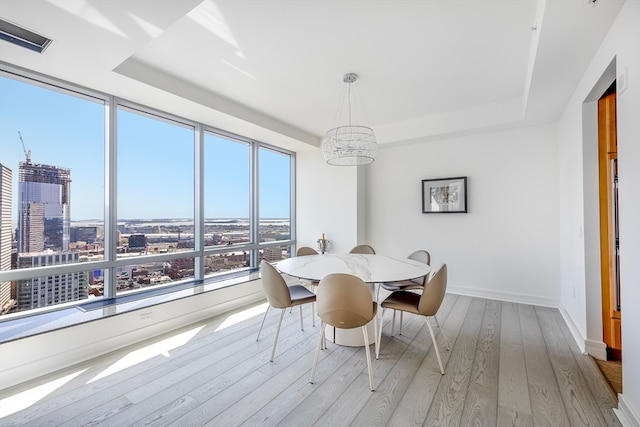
x=444, y=195
x=323, y=244
x=349, y=144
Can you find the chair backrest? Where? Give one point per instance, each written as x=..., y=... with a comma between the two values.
x=433, y=293
x=306, y=250
x=362, y=249
x=344, y=301
x=420, y=256
x=274, y=286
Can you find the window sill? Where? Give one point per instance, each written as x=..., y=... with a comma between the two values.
x=21, y=325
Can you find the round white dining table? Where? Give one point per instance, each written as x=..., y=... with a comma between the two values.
x=370, y=268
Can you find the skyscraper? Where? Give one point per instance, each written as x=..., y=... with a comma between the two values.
x=43, y=236
x=44, y=207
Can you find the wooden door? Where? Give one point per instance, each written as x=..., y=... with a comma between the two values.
x=609, y=236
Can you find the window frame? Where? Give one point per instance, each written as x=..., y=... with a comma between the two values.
x=110, y=262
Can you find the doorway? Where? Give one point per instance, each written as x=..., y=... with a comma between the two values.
x=609, y=229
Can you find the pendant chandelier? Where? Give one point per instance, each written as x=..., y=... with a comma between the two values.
x=349, y=145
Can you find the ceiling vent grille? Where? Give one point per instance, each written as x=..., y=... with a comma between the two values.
x=22, y=37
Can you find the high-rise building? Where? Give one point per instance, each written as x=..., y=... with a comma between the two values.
x=50, y=290
x=43, y=236
x=6, y=231
x=44, y=207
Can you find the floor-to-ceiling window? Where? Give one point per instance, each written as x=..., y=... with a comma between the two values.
x=109, y=197
x=53, y=141
x=155, y=198
x=274, y=200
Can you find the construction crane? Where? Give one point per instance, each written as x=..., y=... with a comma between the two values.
x=27, y=153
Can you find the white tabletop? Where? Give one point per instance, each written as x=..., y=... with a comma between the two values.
x=370, y=268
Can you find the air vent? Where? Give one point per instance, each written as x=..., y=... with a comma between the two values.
x=22, y=37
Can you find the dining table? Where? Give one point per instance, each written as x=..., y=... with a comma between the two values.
x=372, y=269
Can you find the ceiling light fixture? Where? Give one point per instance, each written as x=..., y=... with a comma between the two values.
x=349, y=145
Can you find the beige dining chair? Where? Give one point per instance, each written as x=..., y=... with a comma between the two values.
x=306, y=250
x=281, y=296
x=363, y=249
x=417, y=283
x=425, y=304
x=344, y=301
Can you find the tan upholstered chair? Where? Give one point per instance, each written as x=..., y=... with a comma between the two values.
x=282, y=296
x=363, y=249
x=426, y=304
x=417, y=283
x=344, y=301
x=306, y=250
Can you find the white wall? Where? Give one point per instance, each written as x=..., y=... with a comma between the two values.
x=327, y=202
x=506, y=246
x=578, y=254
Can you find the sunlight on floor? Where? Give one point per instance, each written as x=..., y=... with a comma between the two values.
x=152, y=350
x=242, y=316
x=23, y=400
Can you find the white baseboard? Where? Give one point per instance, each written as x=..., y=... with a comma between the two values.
x=575, y=332
x=626, y=414
x=597, y=349
x=502, y=296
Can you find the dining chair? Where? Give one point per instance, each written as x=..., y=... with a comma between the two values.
x=306, y=250
x=417, y=283
x=281, y=296
x=425, y=304
x=363, y=249
x=344, y=301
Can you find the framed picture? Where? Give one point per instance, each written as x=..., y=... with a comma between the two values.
x=444, y=195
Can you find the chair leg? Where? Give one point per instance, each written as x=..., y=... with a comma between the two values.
x=324, y=337
x=262, y=324
x=313, y=314
x=401, y=317
x=444, y=337
x=435, y=345
x=315, y=357
x=380, y=333
x=375, y=336
x=366, y=349
x=273, y=352
x=393, y=323
x=301, y=323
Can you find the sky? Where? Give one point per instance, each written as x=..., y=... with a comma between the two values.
x=155, y=159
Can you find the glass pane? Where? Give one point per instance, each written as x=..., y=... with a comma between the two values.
x=52, y=189
x=155, y=185
x=226, y=191
x=226, y=262
x=275, y=195
x=275, y=253
x=147, y=274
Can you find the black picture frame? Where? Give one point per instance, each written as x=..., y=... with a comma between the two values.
x=444, y=195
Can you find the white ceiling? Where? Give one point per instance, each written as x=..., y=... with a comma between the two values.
x=272, y=69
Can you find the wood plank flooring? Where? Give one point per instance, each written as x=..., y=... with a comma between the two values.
x=508, y=364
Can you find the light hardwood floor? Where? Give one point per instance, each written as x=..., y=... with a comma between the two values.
x=509, y=364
